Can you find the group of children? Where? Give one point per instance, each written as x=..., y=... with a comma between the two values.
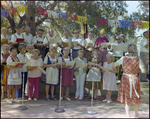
x=13, y=75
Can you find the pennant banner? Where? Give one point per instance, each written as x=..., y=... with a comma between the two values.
x=82, y=19
x=4, y=13
x=79, y=19
x=103, y=22
x=21, y=10
x=63, y=14
x=12, y=11
x=42, y=11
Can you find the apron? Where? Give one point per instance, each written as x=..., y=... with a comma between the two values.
x=14, y=75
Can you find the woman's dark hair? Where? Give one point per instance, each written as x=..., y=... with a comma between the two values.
x=12, y=49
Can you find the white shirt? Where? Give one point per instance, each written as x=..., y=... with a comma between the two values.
x=23, y=59
x=117, y=53
x=66, y=40
x=120, y=61
x=15, y=36
x=142, y=42
x=36, y=72
x=37, y=38
x=6, y=36
x=80, y=41
x=89, y=41
x=46, y=40
x=53, y=61
x=28, y=38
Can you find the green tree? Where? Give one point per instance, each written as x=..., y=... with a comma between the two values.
x=144, y=7
x=93, y=10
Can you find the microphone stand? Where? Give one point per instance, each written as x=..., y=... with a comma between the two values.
x=59, y=109
x=23, y=107
x=92, y=111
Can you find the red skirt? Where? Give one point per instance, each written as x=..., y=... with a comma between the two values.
x=67, y=77
x=124, y=90
x=10, y=86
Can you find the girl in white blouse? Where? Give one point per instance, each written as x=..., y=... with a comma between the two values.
x=22, y=59
x=13, y=80
x=34, y=74
x=51, y=72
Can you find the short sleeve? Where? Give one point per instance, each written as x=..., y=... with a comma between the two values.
x=85, y=42
x=82, y=42
x=59, y=59
x=1, y=57
x=9, y=60
x=107, y=40
x=45, y=60
x=143, y=42
x=13, y=39
x=120, y=61
x=45, y=41
x=141, y=65
x=60, y=42
x=41, y=62
x=34, y=40
x=104, y=64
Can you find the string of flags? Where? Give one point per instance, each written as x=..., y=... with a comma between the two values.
x=75, y=18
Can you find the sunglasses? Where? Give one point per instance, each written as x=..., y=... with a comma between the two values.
x=117, y=39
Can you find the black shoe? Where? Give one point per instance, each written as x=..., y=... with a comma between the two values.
x=53, y=99
x=91, y=97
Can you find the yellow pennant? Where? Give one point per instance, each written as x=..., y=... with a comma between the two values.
x=21, y=10
x=82, y=19
x=145, y=25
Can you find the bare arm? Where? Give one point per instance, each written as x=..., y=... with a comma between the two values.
x=115, y=65
x=13, y=67
x=48, y=65
x=146, y=46
x=143, y=70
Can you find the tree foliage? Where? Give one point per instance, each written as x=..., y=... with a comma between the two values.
x=144, y=7
x=90, y=9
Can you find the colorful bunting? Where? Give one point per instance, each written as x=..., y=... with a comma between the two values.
x=75, y=18
x=4, y=13
x=82, y=19
x=21, y=10
x=145, y=25
x=69, y=17
x=63, y=14
x=42, y=11
x=12, y=11
x=103, y=22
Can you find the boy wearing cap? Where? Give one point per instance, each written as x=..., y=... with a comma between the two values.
x=18, y=34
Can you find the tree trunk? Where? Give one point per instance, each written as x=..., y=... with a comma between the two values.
x=30, y=20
